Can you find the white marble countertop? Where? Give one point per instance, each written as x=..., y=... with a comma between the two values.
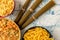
x=50, y=19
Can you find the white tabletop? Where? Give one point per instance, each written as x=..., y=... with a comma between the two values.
x=50, y=19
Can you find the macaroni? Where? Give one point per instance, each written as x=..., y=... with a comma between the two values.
x=6, y=7
x=9, y=30
x=37, y=34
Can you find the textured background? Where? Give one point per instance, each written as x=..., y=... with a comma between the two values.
x=50, y=19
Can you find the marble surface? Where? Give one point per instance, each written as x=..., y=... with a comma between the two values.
x=50, y=19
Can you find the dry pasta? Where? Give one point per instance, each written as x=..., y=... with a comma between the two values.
x=6, y=7
x=37, y=34
x=9, y=30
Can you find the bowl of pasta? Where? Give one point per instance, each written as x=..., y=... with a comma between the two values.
x=37, y=33
x=9, y=30
x=6, y=7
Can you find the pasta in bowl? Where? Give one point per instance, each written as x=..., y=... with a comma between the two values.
x=6, y=7
x=9, y=30
x=37, y=33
